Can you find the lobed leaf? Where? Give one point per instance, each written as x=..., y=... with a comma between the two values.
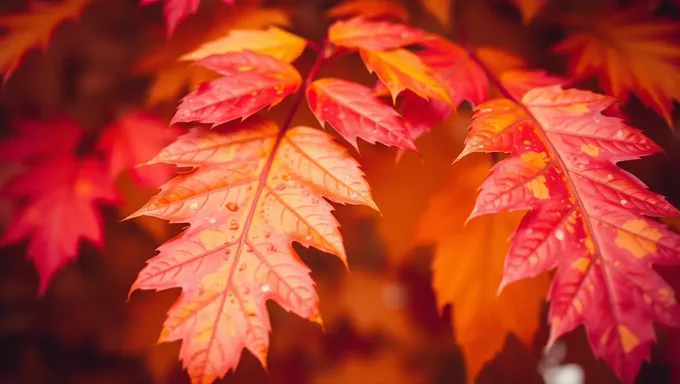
x=400, y=69
x=629, y=53
x=62, y=194
x=252, y=191
x=251, y=82
x=468, y=266
x=587, y=217
x=33, y=29
x=272, y=41
x=354, y=112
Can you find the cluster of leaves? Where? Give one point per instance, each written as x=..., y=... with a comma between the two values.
x=252, y=187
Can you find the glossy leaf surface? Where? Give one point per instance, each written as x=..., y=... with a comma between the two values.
x=360, y=32
x=252, y=192
x=587, y=217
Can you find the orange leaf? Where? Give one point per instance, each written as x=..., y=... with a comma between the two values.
x=369, y=9
x=171, y=77
x=630, y=52
x=354, y=112
x=33, y=29
x=251, y=81
x=252, y=192
x=400, y=69
x=529, y=8
x=468, y=267
x=586, y=218
x=440, y=9
x=360, y=32
x=273, y=41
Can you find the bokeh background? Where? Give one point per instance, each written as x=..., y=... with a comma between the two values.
x=382, y=322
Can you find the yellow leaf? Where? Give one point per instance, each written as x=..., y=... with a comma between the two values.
x=272, y=41
x=400, y=69
x=171, y=77
x=33, y=29
x=468, y=268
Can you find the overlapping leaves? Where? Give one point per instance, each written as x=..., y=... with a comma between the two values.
x=587, y=217
x=251, y=193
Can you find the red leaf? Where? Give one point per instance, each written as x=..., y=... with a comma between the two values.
x=175, y=11
x=360, y=32
x=135, y=138
x=61, y=210
x=586, y=218
x=251, y=82
x=354, y=112
x=38, y=139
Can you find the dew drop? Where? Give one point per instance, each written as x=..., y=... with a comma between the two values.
x=233, y=225
x=353, y=195
x=249, y=250
x=246, y=291
x=242, y=267
x=280, y=187
x=559, y=234
x=623, y=201
x=211, y=220
x=232, y=206
x=308, y=237
x=341, y=116
x=194, y=206
x=265, y=288
x=610, y=177
x=267, y=234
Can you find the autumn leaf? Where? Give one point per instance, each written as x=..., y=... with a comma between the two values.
x=360, y=32
x=251, y=81
x=369, y=9
x=252, y=192
x=529, y=8
x=440, y=9
x=33, y=29
x=273, y=41
x=586, y=218
x=630, y=52
x=400, y=69
x=354, y=112
x=39, y=140
x=170, y=76
x=175, y=11
x=468, y=267
x=133, y=139
x=62, y=194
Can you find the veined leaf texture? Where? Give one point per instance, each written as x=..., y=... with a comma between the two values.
x=555, y=223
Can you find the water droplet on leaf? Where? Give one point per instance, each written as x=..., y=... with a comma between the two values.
x=559, y=234
x=232, y=206
x=233, y=225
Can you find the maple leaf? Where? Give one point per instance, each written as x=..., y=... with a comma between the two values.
x=360, y=32
x=630, y=52
x=251, y=82
x=134, y=138
x=354, y=112
x=36, y=140
x=171, y=76
x=252, y=192
x=468, y=266
x=272, y=41
x=61, y=210
x=586, y=218
x=33, y=29
x=369, y=9
x=400, y=69
x=440, y=9
x=529, y=8
x=175, y=11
